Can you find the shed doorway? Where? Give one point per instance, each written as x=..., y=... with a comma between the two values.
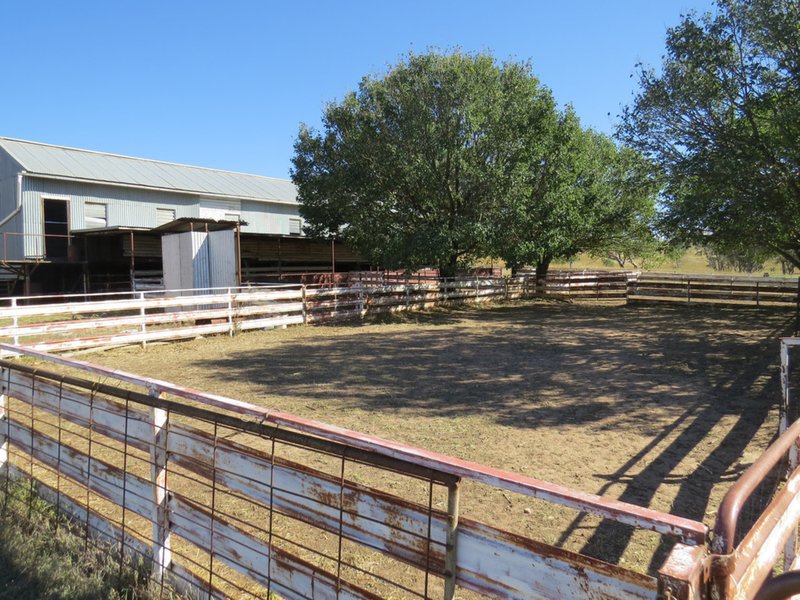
x=56, y=229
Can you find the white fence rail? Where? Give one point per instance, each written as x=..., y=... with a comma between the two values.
x=70, y=323
x=240, y=501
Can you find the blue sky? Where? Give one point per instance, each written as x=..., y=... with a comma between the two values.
x=226, y=84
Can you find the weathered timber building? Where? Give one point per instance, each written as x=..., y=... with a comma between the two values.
x=76, y=220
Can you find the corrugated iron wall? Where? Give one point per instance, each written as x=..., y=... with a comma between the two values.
x=129, y=207
x=198, y=259
x=222, y=258
x=266, y=217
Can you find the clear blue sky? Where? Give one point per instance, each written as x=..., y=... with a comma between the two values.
x=225, y=84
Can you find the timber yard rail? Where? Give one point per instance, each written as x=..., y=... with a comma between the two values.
x=176, y=476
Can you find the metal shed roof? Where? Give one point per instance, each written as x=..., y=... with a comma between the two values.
x=59, y=162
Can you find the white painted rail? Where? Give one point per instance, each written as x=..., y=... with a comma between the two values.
x=260, y=501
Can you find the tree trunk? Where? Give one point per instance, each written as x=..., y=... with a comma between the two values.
x=541, y=274
x=450, y=268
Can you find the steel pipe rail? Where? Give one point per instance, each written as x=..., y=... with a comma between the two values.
x=781, y=587
x=731, y=506
x=685, y=530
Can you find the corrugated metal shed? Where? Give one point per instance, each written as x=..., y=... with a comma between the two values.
x=199, y=259
x=58, y=162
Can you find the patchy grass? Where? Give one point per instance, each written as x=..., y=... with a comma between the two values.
x=44, y=556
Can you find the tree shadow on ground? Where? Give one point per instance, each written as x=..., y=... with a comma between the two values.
x=551, y=365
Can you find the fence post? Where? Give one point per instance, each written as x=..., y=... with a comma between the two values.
x=783, y=423
x=303, y=298
x=688, y=291
x=162, y=551
x=408, y=293
x=757, y=298
x=143, y=316
x=477, y=283
x=230, y=312
x=786, y=415
x=451, y=555
x=15, y=321
x=4, y=427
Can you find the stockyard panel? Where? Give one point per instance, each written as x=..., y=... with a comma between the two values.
x=266, y=502
x=657, y=406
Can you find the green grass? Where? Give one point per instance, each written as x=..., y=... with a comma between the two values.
x=44, y=556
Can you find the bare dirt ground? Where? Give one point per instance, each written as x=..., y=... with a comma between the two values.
x=661, y=406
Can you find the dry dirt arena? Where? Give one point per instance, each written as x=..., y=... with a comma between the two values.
x=661, y=406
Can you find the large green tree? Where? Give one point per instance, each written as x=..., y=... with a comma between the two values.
x=578, y=192
x=412, y=168
x=722, y=119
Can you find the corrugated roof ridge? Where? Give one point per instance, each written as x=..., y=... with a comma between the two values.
x=151, y=160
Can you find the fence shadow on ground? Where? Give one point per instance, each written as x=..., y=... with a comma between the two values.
x=675, y=376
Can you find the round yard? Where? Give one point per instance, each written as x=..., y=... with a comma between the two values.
x=660, y=406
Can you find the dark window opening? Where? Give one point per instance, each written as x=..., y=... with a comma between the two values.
x=56, y=229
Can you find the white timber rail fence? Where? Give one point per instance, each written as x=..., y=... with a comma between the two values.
x=227, y=499
x=88, y=321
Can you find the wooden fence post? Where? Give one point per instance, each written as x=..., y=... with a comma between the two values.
x=143, y=316
x=408, y=292
x=15, y=321
x=4, y=427
x=688, y=291
x=162, y=551
x=230, y=312
x=303, y=298
x=757, y=298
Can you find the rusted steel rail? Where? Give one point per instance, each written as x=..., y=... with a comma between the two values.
x=739, y=570
x=782, y=587
x=444, y=546
x=188, y=438
x=685, y=530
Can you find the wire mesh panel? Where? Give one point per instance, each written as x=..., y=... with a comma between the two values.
x=226, y=499
x=247, y=509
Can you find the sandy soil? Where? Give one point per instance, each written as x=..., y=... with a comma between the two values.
x=661, y=406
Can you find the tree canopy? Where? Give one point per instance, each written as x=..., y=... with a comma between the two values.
x=410, y=167
x=722, y=120
x=448, y=158
x=584, y=194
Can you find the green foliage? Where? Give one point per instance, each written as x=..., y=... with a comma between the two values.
x=410, y=168
x=736, y=259
x=583, y=195
x=448, y=158
x=722, y=120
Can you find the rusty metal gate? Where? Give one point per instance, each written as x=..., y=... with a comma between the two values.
x=233, y=500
